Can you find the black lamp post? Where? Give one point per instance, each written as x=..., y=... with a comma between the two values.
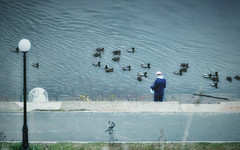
x=24, y=45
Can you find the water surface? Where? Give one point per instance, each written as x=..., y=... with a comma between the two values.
x=64, y=35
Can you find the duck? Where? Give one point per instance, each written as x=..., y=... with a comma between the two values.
x=139, y=79
x=206, y=75
x=229, y=79
x=36, y=65
x=96, y=64
x=213, y=78
x=131, y=50
x=117, y=52
x=97, y=55
x=146, y=65
x=178, y=72
x=184, y=69
x=16, y=50
x=237, y=77
x=127, y=68
x=106, y=67
x=184, y=65
x=214, y=84
x=109, y=70
x=142, y=74
x=216, y=74
x=210, y=75
x=100, y=49
x=116, y=58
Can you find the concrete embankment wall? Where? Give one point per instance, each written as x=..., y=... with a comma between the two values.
x=121, y=106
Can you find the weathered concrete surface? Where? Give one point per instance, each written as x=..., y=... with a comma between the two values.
x=76, y=126
x=122, y=106
x=10, y=106
x=31, y=106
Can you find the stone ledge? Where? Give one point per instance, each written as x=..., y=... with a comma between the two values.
x=121, y=106
x=31, y=106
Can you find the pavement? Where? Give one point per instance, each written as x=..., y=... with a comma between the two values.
x=121, y=121
x=79, y=127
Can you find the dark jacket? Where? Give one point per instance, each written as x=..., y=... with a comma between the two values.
x=159, y=86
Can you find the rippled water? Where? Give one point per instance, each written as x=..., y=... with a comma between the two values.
x=64, y=35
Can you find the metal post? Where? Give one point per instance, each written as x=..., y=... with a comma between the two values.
x=25, y=143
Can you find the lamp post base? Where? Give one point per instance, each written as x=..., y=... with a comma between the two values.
x=25, y=144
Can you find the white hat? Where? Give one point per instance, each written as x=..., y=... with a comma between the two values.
x=159, y=75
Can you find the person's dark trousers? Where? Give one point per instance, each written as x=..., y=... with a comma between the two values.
x=158, y=98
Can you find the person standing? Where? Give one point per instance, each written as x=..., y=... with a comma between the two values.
x=158, y=87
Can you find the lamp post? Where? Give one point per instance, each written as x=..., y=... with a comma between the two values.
x=24, y=45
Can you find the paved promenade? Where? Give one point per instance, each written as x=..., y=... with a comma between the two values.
x=134, y=121
x=76, y=126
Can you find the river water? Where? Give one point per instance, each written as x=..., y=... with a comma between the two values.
x=64, y=36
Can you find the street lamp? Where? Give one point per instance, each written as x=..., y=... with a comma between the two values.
x=24, y=45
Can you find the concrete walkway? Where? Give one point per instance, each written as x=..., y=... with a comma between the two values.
x=121, y=106
x=136, y=121
x=76, y=126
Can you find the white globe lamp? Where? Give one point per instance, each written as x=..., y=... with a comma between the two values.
x=24, y=45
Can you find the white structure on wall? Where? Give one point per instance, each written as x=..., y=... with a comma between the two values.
x=38, y=95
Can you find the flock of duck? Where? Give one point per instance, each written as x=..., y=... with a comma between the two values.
x=183, y=67
x=116, y=58
x=213, y=77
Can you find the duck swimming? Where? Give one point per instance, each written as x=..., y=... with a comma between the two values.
x=214, y=84
x=142, y=74
x=210, y=75
x=36, y=65
x=109, y=70
x=106, y=67
x=15, y=50
x=178, y=72
x=229, y=79
x=206, y=75
x=97, y=55
x=216, y=74
x=237, y=77
x=183, y=69
x=99, y=49
x=184, y=65
x=131, y=50
x=216, y=79
x=146, y=65
x=139, y=79
x=117, y=52
x=96, y=64
x=128, y=68
x=116, y=59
